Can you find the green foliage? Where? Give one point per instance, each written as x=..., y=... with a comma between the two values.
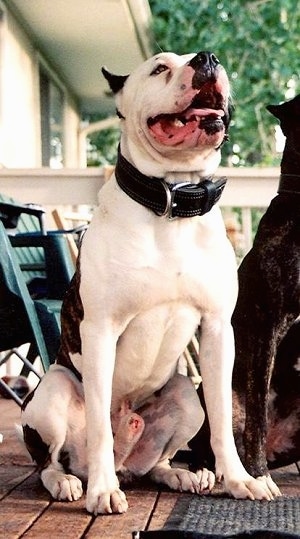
x=102, y=145
x=258, y=44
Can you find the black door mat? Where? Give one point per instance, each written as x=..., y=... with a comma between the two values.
x=213, y=517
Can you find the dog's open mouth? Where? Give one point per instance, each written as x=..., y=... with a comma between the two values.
x=205, y=112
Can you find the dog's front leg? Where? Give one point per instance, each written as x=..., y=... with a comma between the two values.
x=98, y=351
x=216, y=364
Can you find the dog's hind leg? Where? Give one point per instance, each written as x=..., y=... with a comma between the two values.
x=182, y=479
x=61, y=486
x=53, y=423
x=171, y=417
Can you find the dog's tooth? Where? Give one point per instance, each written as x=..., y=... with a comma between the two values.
x=178, y=123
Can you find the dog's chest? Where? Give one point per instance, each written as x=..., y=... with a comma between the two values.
x=152, y=280
x=141, y=264
x=183, y=276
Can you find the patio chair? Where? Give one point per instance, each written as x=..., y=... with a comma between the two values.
x=35, y=270
x=37, y=248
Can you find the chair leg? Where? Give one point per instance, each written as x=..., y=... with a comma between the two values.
x=31, y=357
x=10, y=392
x=28, y=363
x=26, y=369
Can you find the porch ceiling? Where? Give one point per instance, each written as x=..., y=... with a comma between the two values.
x=79, y=37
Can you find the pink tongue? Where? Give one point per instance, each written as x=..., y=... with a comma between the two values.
x=172, y=135
x=203, y=112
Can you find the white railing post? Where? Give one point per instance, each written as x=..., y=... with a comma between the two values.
x=247, y=228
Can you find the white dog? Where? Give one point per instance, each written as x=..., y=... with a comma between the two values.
x=155, y=264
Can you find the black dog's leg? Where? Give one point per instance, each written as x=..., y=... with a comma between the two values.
x=261, y=318
x=259, y=367
x=283, y=440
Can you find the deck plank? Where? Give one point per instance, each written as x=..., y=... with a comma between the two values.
x=22, y=507
x=27, y=510
x=141, y=504
x=165, y=504
x=15, y=463
x=61, y=519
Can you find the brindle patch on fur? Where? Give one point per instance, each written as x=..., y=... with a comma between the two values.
x=28, y=398
x=71, y=317
x=38, y=450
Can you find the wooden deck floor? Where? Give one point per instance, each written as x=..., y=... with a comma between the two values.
x=27, y=511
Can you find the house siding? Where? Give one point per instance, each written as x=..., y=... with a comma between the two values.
x=20, y=132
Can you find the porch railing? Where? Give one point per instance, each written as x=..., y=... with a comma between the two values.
x=65, y=189
x=247, y=188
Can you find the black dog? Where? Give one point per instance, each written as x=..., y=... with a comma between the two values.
x=268, y=304
x=267, y=392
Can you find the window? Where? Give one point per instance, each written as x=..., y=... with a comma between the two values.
x=52, y=122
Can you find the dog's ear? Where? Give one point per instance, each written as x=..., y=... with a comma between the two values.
x=283, y=114
x=288, y=114
x=287, y=110
x=275, y=110
x=116, y=82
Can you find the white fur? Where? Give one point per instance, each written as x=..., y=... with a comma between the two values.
x=146, y=284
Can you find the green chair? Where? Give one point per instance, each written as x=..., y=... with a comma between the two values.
x=43, y=255
x=35, y=270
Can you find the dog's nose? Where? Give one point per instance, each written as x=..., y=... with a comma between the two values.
x=205, y=64
x=204, y=60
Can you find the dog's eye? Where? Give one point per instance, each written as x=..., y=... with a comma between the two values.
x=159, y=69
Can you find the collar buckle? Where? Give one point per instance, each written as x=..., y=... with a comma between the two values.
x=170, y=195
x=170, y=191
x=173, y=189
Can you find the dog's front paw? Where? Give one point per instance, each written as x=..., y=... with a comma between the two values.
x=254, y=489
x=270, y=485
x=106, y=502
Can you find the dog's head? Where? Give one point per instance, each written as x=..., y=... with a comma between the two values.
x=288, y=114
x=174, y=108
